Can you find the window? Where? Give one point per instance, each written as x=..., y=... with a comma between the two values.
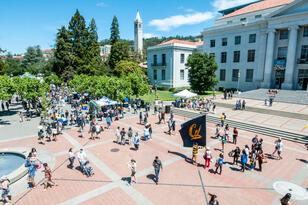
x=251, y=55
x=222, y=76
x=155, y=59
x=252, y=38
x=155, y=74
x=224, y=41
x=304, y=52
x=235, y=73
x=249, y=75
x=163, y=59
x=237, y=40
x=182, y=57
x=236, y=56
x=258, y=16
x=223, y=57
x=212, y=43
x=284, y=34
x=181, y=74
x=305, y=32
x=243, y=19
x=163, y=74
x=282, y=53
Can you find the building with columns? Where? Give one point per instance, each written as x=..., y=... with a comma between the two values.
x=138, y=38
x=261, y=44
x=167, y=62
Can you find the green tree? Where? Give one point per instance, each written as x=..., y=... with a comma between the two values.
x=137, y=83
x=30, y=88
x=125, y=67
x=53, y=79
x=119, y=51
x=63, y=55
x=33, y=60
x=6, y=87
x=2, y=69
x=201, y=74
x=114, y=31
x=13, y=66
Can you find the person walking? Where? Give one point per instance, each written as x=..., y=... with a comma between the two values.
x=132, y=165
x=146, y=133
x=213, y=200
x=21, y=117
x=81, y=156
x=31, y=172
x=219, y=163
x=71, y=158
x=157, y=166
x=136, y=141
x=5, y=186
x=140, y=117
x=222, y=119
x=235, y=135
x=260, y=159
x=223, y=142
x=173, y=127
x=169, y=126
x=207, y=157
x=243, y=160
x=286, y=199
x=48, y=176
x=150, y=131
x=278, y=148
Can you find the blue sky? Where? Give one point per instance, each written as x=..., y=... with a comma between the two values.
x=35, y=22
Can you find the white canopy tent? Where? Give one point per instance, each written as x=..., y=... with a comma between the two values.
x=185, y=94
x=104, y=101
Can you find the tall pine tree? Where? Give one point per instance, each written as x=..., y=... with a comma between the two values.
x=114, y=30
x=119, y=51
x=63, y=55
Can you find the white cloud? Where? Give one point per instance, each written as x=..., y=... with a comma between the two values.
x=224, y=4
x=189, y=10
x=179, y=20
x=149, y=35
x=101, y=4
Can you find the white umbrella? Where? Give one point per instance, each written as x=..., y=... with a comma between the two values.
x=185, y=94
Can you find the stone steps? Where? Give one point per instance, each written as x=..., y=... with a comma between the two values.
x=291, y=136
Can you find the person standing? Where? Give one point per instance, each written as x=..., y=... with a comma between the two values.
x=118, y=135
x=71, y=158
x=260, y=159
x=219, y=163
x=222, y=120
x=237, y=153
x=21, y=117
x=223, y=142
x=146, y=133
x=243, y=160
x=235, y=135
x=81, y=156
x=136, y=141
x=286, y=199
x=278, y=148
x=150, y=131
x=169, y=126
x=5, y=186
x=47, y=179
x=130, y=135
x=140, y=117
x=213, y=200
x=132, y=165
x=123, y=140
x=157, y=166
x=31, y=172
x=207, y=157
x=195, y=151
x=163, y=117
x=173, y=127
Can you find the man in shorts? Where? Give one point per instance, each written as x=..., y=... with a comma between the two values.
x=47, y=179
x=5, y=186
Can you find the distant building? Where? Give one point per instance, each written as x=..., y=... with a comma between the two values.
x=105, y=51
x=261, y=44
x=166, y=62
x=138, y=39
x=48, y=53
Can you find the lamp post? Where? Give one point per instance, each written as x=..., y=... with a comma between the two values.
x=155, y=87
x=238, y=80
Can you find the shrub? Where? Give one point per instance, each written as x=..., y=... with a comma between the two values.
x=171, y=90
x=161, y=88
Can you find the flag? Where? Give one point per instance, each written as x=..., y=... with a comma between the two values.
x=194, y=131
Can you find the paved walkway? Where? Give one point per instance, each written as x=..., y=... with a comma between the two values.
x=180, y=182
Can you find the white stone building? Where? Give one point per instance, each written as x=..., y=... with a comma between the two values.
x=266, y=42
x=138, y=39
x=166, y=62
x=105, y=51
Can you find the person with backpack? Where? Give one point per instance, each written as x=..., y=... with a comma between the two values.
x=136, y=141
x=207, y=157
x=219, y=163
x=157, y=166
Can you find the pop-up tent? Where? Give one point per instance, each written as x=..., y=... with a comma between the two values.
x=185, y=94
x=104, y=101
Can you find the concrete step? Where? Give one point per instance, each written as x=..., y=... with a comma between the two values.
x=291, y=136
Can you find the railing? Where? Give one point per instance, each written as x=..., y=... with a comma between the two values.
x=158, y=64
x=302, y=61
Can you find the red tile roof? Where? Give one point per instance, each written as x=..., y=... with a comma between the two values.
x=182, y=42
x=262, y=5
x=48, y=51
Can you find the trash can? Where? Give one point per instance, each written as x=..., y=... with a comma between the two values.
x=167, y=108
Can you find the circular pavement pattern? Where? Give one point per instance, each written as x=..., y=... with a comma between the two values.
x=115, y=150
x=297, y=192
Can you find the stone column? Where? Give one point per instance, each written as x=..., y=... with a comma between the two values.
x=291, y=58
x=269, y=59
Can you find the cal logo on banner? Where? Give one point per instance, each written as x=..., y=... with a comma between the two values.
x=194, y=131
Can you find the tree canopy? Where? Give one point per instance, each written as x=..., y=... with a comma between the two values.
x=119, y=51
x=114, y=31
x=201, y=75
